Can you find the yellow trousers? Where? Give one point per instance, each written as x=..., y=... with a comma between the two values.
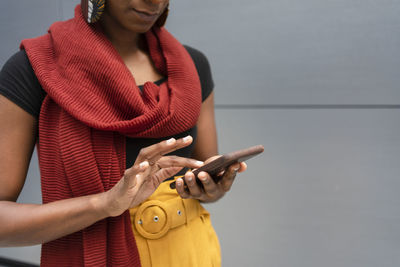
x=174, y=232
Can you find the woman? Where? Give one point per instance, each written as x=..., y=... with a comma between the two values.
x=103, y=141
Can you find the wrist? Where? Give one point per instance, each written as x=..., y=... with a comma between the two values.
x=99, y=203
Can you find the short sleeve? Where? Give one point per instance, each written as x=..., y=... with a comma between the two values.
x=19, y=84
x=204, y=71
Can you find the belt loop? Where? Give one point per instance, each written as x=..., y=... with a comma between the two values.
x=192, y=206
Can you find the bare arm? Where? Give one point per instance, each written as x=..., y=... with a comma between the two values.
x=206, y=144
x=30, y=224
x=206, y=149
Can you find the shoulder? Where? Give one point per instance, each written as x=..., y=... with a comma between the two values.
x=19, y=84
x=200, y=60
x=17, y=62
x=203, y=69
x=197, y=55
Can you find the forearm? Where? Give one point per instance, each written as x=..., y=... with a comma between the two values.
x=206, y=142
x=30, y=224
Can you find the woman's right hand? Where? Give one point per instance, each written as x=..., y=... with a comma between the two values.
x=24, y=224
x=150, y=169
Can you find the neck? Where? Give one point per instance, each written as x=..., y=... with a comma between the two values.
x=124, y=41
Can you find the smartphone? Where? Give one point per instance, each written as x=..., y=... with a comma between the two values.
x=216, y=166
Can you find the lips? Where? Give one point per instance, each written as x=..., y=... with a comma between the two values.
x=149, y=13
x=146, y=15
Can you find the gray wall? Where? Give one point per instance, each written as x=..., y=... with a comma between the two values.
x=316, y=82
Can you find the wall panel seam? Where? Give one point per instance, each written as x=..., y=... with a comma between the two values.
x=304, y=106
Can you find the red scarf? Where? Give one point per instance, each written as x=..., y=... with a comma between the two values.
x=92, y=102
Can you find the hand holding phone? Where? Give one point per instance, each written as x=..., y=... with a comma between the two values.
x=214, y=167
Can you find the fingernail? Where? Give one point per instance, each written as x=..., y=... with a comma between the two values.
x=187, y=139
x=179, y=182
x=190, y=178
x=170, y=141
x=144, y=164
x=199, y=163
x=202, y=178
x=236, y=169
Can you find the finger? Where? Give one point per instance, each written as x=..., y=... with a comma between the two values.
x=210, y=187
x=165, y=173
x=180, y=188
x=131, y=173
x=229, y=176
x=243, y=167
x=154, y=152
x=212, y=159
x=194, y=189
x=181, y=143
x=175, y=161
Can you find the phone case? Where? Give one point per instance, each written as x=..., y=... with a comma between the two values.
x=216, y=166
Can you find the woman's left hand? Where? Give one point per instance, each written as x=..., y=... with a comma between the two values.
x=211, y=191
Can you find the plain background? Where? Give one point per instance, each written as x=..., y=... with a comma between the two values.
x=315, y=82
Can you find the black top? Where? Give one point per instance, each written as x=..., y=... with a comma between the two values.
x=19, y=84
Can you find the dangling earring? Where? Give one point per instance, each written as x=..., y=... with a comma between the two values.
x=163, y=18
x=92, y=9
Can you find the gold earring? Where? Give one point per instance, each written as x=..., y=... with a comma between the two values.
x=92, y=9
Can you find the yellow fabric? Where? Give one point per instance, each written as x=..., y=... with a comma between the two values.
x=174, y=232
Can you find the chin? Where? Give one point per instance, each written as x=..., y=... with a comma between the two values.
x=138, y=27
x=142, y=28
